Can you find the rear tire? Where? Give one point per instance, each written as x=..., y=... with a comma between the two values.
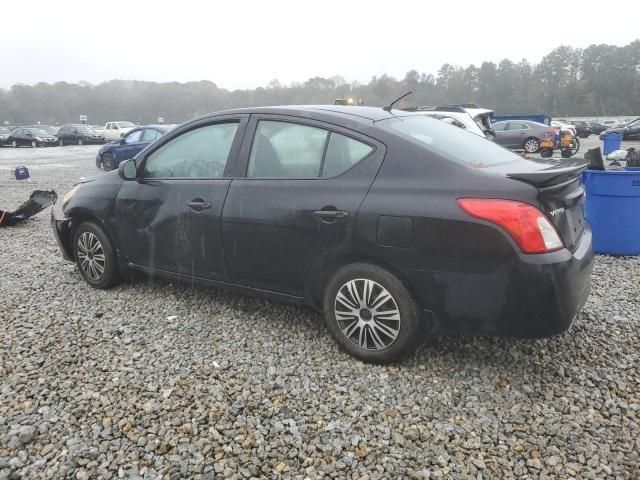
x=531, y=145
x=371, y=314
x=107, y=162
x=95, y=256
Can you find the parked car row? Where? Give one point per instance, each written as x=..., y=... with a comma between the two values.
x=69, y=134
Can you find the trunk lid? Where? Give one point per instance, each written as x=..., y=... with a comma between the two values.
x=561, y=195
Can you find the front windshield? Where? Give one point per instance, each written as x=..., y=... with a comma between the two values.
x=125, y=125
x=4, y=131
x=449, y=141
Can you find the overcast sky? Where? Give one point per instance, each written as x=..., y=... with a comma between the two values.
x=245, y=44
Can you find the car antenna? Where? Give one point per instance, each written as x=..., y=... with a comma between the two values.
x=390, y=106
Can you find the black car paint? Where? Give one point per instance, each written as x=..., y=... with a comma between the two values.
x=630, y=131
x=69, y=134
x=263, y=235
x=26, y=137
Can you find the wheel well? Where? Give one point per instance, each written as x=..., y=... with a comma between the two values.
x=320, y=277
x=78, y=219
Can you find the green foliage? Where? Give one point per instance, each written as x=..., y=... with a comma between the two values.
x=599, y=80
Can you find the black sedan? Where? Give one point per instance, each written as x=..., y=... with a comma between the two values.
x=630, y=131
x=583, y=129
x=597, y=128
x=30, y=137
x=386, y=221
x=78, y=135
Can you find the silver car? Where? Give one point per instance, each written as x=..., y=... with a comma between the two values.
x=520, y=134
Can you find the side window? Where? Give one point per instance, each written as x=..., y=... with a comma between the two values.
x=198, y=153
x=286, y=150
x=342, y=153
x=133, y=137
x=150, y=134
x=453, y=121
x=499, y=127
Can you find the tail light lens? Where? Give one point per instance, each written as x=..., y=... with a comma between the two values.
x=527, y=225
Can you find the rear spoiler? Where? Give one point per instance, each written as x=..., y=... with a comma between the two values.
x=549, y=177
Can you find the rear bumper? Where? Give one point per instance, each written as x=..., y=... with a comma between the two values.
x=62, y=232
x=529, y=296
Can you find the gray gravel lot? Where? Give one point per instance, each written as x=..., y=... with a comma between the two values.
x=152, y=380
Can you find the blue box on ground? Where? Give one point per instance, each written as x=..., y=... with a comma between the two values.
x=613, y=210
x=612, y=142
x=21, y=173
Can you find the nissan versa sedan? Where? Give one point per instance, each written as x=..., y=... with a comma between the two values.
x=389, y=222
x=30, y=137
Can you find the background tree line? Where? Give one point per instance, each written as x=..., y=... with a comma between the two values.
x=600, y=80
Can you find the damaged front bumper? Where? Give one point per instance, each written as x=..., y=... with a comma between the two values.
x=61, y=229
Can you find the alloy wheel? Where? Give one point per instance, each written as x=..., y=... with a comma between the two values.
x=91, y=255
x=531, y=145
x=367, y=314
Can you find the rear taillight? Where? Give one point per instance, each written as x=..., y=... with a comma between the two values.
x=529, y=227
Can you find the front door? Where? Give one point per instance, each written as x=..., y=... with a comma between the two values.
x=169, y=220
x=130, y=146
x=297, y=203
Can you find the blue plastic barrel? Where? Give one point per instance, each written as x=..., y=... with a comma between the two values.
x=612, y=209
x=612, y=142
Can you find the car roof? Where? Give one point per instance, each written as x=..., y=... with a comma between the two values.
x=362, y=114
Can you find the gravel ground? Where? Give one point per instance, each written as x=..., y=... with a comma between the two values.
x=152, y=380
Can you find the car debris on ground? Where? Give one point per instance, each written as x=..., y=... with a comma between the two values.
x=38, y=201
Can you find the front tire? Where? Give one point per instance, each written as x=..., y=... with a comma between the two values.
x=14, y=144
x=531, y=145
x=80, y=142
x=107, y=162
x=61, y=142
x=34, y=144
x=371, y=314
x=95, y=256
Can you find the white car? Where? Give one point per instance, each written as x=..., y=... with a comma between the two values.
x=468, y=117
x=564, y=127
x=116, y=130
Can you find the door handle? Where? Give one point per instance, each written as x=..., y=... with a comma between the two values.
x=330, y=215
x=199, y=204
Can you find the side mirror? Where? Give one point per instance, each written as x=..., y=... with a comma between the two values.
x=128, y=170
x=121, y=141
x=29, y=134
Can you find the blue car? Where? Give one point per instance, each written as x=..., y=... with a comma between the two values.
x=111, y=154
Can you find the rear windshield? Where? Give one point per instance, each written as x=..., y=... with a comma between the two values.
x=449, y=141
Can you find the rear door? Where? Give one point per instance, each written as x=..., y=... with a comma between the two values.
x=294, y=202
x=169, y=220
